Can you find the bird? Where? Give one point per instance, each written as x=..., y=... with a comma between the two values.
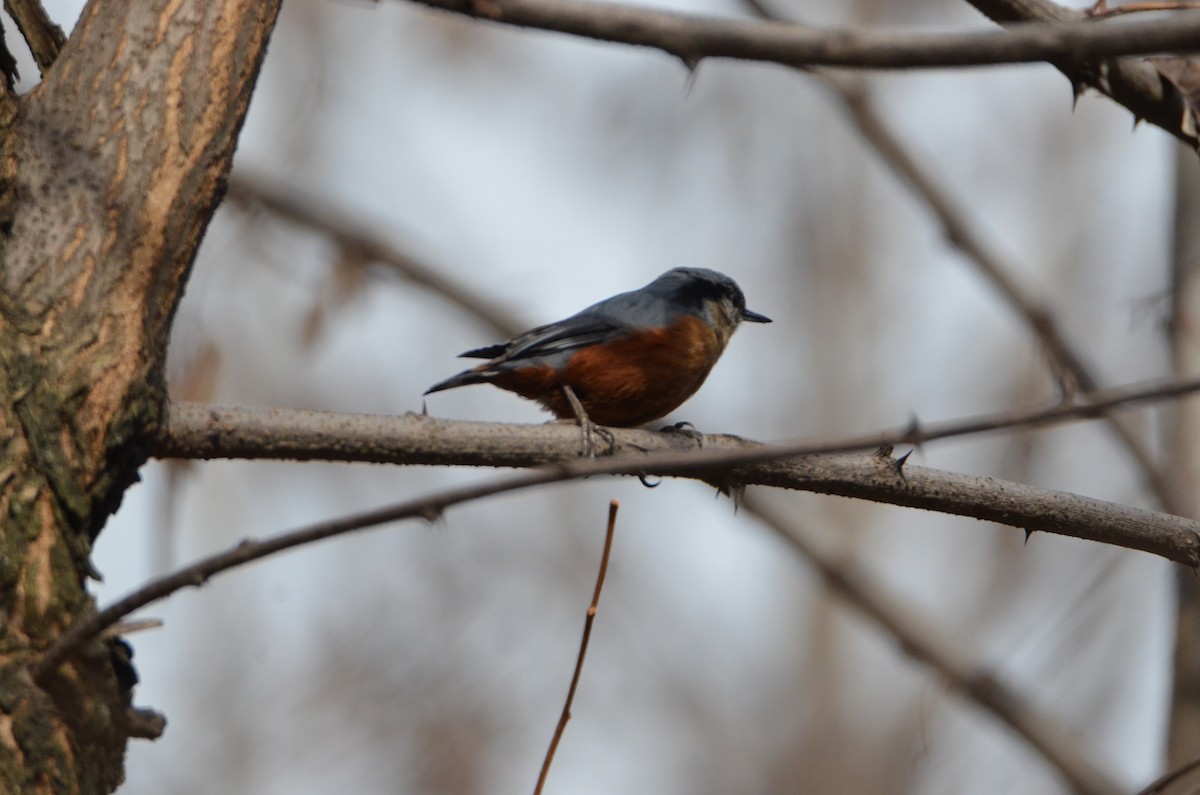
x=624, y=361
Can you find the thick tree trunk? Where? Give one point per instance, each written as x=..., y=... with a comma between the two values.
x=109, y=174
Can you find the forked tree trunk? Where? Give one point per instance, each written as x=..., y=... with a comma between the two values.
x=109, y=174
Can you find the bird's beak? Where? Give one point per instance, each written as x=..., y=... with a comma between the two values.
x=754, y=317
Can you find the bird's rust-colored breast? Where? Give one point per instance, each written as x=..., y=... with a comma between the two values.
x=627, y=382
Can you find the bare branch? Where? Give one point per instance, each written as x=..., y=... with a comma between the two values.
x=961, y=234
x=1131, y=82
x=734, y=463
x=730, y=463
x=45, y=39
x=360, y=243
x=691, y=38
x=921, y=641
x=199, y=430
x=413, y=439
x=1101, y=9
x=583, y=645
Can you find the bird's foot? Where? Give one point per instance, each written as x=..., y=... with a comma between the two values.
x=685, y=429
x=588, y=430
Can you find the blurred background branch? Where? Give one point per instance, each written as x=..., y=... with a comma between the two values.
x=924, y=643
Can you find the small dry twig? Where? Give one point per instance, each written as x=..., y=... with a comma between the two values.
x=1101, y=10
x=583, y=645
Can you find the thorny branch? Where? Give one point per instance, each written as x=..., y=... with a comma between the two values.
x=199, y=430
x=728, y=461
x=961, y=233
x=1085, y=49
x=691, y=37
x=1134, y=83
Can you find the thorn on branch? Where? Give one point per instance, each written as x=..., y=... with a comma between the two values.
x=89, y=568
x=1078, y=89
x=122, y=628
x=145, y=724
x=729, y=487
x=1028, y=535
x=737, y=493
x=883, y=454
x=914, y=434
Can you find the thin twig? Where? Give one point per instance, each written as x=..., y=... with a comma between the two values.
x=924, y=643
x=583, y=646
x=1101, y=10
x=692, y=37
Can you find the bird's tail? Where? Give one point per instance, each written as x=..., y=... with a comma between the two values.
x=486, y=352
x=464, y=378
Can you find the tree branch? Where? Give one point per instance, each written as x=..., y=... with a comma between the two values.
x=733, y=464
x=200, y=430
x=1068, y=364
x=45, y=39
x=691, y=38
x=728, y=462
x=1131, y=82
x=1070, y=369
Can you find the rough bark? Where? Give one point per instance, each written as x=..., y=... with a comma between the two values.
x=109, y=174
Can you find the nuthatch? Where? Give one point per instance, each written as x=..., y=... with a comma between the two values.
x=629, y=359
